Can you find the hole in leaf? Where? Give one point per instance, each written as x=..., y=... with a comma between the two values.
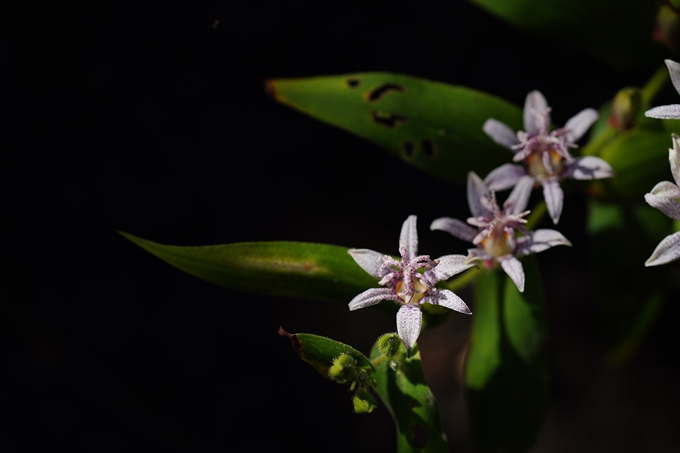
x=390, y=120
x=409, y=149
x=428, y=147
x=353, y=83
x=382, y=90
x=420, y=437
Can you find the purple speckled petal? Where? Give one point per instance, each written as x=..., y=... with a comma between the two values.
x=369, y=260
x=674, y=158
x=409, y=318
x=409, y=237
x=450, y=300
x=668, y=250
x=664, y=203
x=450, y=265
x=674, y=72
x=455, y=227
x=664, y=112
x=519, y=197
x=588, y=167
x=477, y=254
x=554, y=198
x=514, y=269
x=372, y=297
x=539, y=241
x=504, y=177
x=476, y=189
x=500, y=133
x=536, y=113
x=579, y=124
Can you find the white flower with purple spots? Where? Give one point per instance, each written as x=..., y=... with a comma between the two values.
x=494, y=235
x=668, y=112
x=664, y=197
x=409, y=282
x=544, y=154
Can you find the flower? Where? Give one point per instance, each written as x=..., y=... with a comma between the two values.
x=664, y=197
x=545, y=154
x=402, y=282
x=495, y=233
x=668, y=112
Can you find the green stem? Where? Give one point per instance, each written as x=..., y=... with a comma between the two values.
x=654, y=85
x=536, y=215
x=593, y=147
x=378, y=360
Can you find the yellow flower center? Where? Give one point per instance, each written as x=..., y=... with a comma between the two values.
x=419, y=293
x=538, y=170
x=497, y=244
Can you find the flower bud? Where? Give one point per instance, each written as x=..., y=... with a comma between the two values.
x=389, y=344
x=344, y=369
x=667, y=26
x=625, y=108
x=364, y=403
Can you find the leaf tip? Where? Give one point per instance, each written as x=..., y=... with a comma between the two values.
x=292, y=337
x=270, y=89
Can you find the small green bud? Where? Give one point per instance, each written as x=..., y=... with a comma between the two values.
x=389, y=344
x=364, y=403
x=344, y=369
x=667, y=26
x=625, y=108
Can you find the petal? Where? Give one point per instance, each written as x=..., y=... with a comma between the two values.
x=664, y=112
x=504, y=177
x=539, y=241
x=477, y=255
x=674, y=72
x=579, y=124
x=449, y=266
x=588, y=167
x=668, y=250
x=409, y=318
x=519, y=197
x=514, y=269
x=372, y=297
x=674, y=158
x=455, y=227
x=666, y=189
x=536, y=113
x=369, y=260
x=500, y=133
x=476, y=189
x=554, y=198
x=448, y=299
x=409, y=237
x=668, y=206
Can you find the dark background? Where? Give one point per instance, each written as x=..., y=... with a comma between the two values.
x=152, y=119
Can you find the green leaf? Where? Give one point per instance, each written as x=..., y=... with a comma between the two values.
x=506, y=370
x=434, y=126
x=617, y=31
x=312, y=271
x=402, y=388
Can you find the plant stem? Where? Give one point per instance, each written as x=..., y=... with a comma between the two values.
x=654, y=84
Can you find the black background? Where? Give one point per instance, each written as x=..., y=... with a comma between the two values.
x=152, y=119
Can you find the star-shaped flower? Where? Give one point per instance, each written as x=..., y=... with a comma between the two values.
x=544, y=154
x=403, y=283
x=668, y=112
x=664, y=197
x=496, y=228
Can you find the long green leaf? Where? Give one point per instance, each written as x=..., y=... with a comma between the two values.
x=617, y=31
x=434, y=126
x=311, y=271
x=506, y=369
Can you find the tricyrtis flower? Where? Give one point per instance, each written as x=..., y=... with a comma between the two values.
x=410, y=281
x=666, y=112
x=664, y=197
x=495, y=233
x=544, y=155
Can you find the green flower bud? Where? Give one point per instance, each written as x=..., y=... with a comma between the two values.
x=364, y=403
x=389, y=344
x=667, y=27
x=344, y=369
x=625, y=108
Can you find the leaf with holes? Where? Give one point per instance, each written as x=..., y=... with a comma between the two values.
x=311, y=271
x=617, y=31
x=506, y=369
x=433, y=126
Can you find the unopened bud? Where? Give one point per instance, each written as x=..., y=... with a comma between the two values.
x=389, y=344
x=625, y=108
x=364, y=402
x=667, y=26
x=344, y=369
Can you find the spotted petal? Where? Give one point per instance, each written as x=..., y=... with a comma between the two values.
x=514, y=269
x=674, y=158
x=500, y=133
x=409, y=237
x=455, y=227
x=409, y=318
x=449, y=266
x=536, y=113
x=674, y=72
x=476, y=190
x=369, y=260
x=539, y=241
x=668, y=250
x=554, y=198
x=519, y=197
x=579, y=124
x=664, y=112
x=450, y=300
x=664, y=198
x=588, y=167
x=504, y=177
x=372, y=297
